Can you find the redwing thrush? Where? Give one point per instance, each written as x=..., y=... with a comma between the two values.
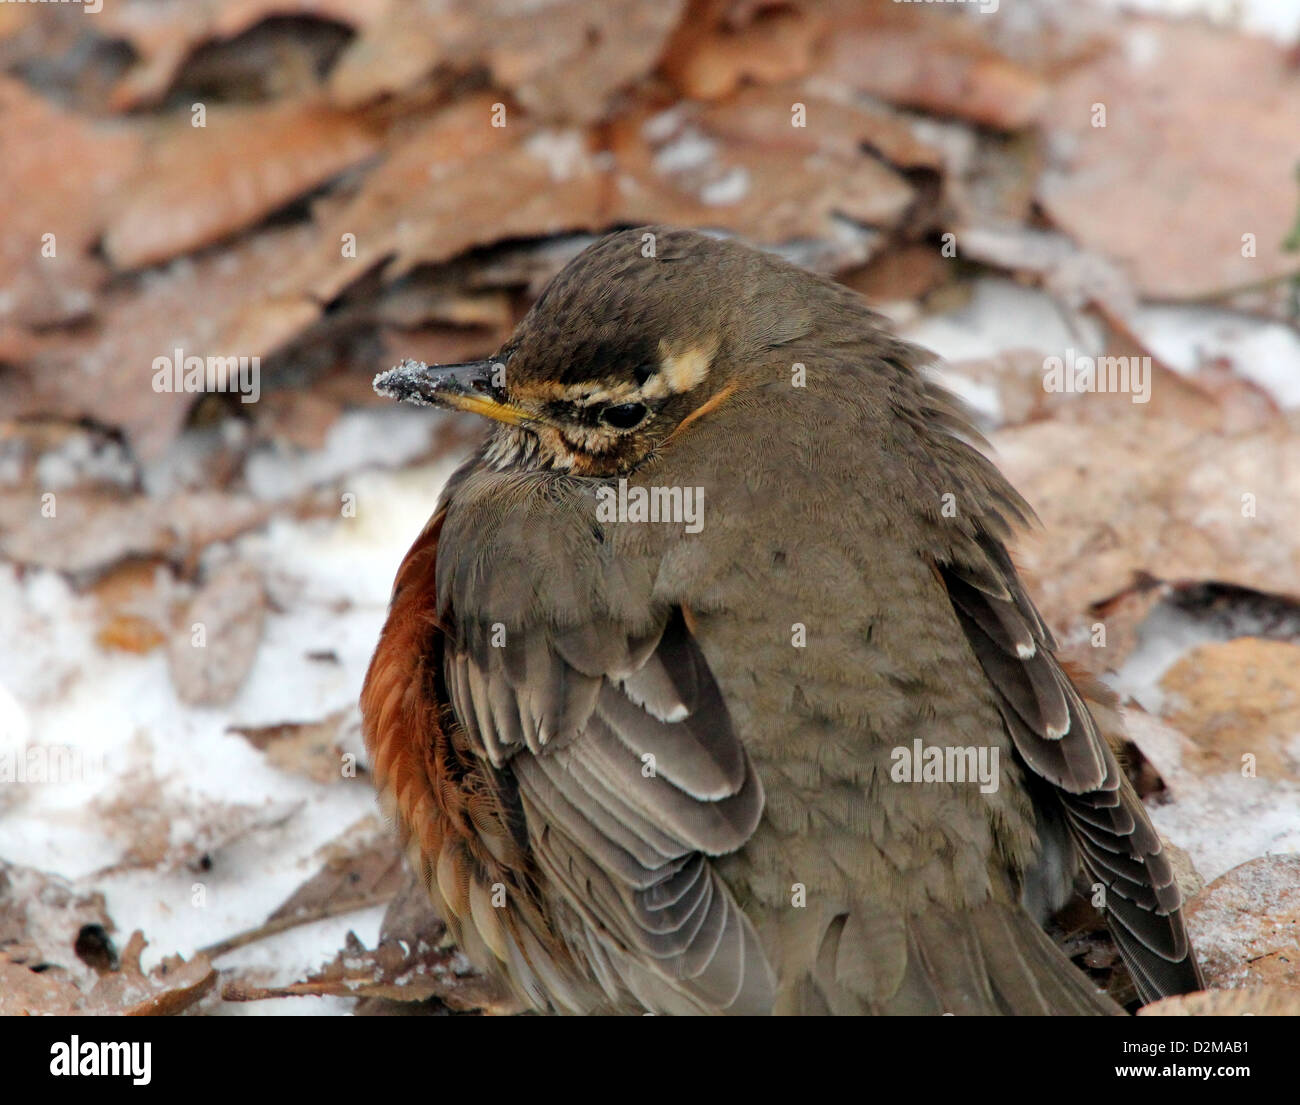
x=658, y=670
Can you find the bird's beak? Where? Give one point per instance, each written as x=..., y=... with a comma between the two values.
x=472, y=386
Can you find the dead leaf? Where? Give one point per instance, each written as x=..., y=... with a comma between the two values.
x=308, y=748
x=456, y=183
x=198, y=185
x=1246, y=925
x=1182, y=168
x=59, y=171
x=44, y=915
x=170, y=988
x=90, y=533
x=672, y=167
x=370, y=875
x=1138, y=497
x=710, y=57
x=566, y=66
x=937, y=63
x=765, y=118
x=1256, y=1002
x=213, y=651
x=162, y=36
x=412, y=963
x=1238, y=698
x=105, y=372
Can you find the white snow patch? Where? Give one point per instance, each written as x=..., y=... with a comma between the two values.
x=1185, y=337
x=57, y=686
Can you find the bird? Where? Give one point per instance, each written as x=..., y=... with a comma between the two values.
x=655, y=676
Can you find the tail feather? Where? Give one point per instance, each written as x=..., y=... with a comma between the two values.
x=993, y=960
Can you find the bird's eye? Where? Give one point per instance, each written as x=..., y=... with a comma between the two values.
x=624, y=416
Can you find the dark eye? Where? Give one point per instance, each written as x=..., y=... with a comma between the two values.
x=624, y=416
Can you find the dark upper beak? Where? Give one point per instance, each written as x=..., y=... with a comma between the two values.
x=463, y=387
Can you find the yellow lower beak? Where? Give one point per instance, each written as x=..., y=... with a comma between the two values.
x=473, y=386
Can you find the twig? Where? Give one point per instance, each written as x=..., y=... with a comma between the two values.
x=282, y=924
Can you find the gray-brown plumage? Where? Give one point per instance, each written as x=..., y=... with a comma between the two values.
x=647, y=765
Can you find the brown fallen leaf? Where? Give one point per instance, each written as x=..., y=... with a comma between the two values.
x=45, y=916
x=567, y=66
x=298, y=418
x=763, y=118
x=163, y=36
x=59, y=171
x=27, y=992
x=90, y=533
x=362, y=869
x=105, y=372
x=936, y=62
x=1139, y=498
x=1246, y=926
x=395, y=972
x=674, y=167
x=170, y=988
x=129, y=633
x=1174, y=211
x=455, y=183
x=198, y=185
x=908, y=273
x=373, y=873
x=1255, y=1002
x=308, y=748
x=212, y=652
x=1235, y=699
x=718, y=50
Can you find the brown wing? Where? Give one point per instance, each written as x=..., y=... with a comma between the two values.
x=1057, y=738
x=563, y=792
x=458, y=820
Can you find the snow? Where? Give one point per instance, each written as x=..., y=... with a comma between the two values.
x=58, y=687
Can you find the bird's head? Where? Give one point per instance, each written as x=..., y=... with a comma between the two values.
x=641, y=334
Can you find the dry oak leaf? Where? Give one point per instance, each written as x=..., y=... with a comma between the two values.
x=1183, y=169
x=396, y=971
x=170, y=988
x=105, y=372
x=1263, y=1001
x=562, y=60
x=455, y=183
x=935, y=62
x=1246, y=925
x=676, y=166
x=58, y=172
x=201, y=184
x=309, y=748
x=25, y=992
x=1237, y=698
x=91, y=532
x=375, y=873
x=1144, y=497
x=709, y=59
x=213, y=650
x=765, y=117
x=413, y=962
x=44, y=914
x=164, y=33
